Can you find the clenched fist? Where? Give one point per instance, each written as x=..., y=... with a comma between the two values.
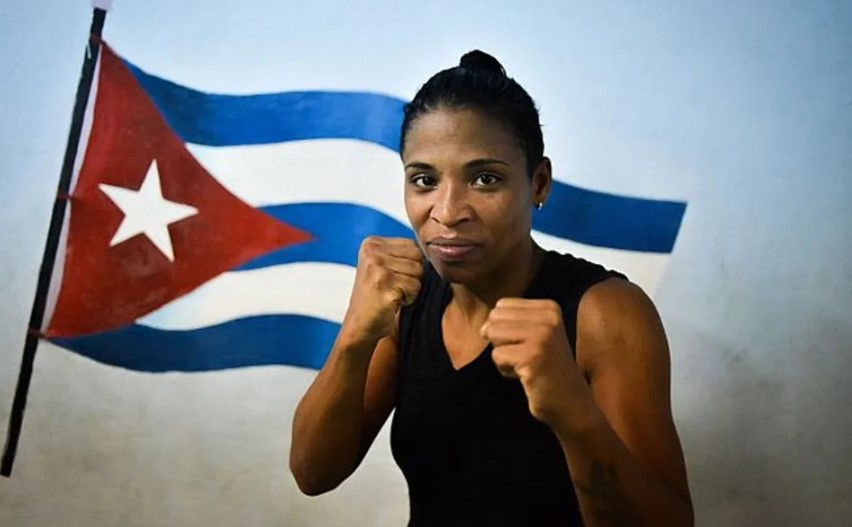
x=530, y=343
x=388, y=276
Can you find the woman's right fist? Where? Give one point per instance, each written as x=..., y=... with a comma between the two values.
x=388, y=276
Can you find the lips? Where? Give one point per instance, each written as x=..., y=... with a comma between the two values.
x=453, y=249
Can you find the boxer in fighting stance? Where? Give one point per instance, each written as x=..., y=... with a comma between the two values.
x=529, y=388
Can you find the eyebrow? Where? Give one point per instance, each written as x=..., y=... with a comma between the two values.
x=470, y=164
x=485, y=161
x=419, y=166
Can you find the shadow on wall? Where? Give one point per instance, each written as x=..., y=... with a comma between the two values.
x=764, y=437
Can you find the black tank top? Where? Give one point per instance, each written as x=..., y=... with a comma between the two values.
x=469, y=448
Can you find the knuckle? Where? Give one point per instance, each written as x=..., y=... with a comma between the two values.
x=373, y=244
x=552, y=314
x=554, y=307
x=542, y=332
x=499, y=357
x=369, y=242
x=367, y=248
x=498, y=314
x=390, y=296
x=554, y=319
x=494, y=315
x=380, y=281
x=503, y=302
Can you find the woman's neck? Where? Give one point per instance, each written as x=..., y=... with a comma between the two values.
x=473, y=301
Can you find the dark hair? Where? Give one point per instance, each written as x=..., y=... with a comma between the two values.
x=480, y=82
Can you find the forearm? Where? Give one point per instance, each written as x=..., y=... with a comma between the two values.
x=613, y=487
x=327, y=425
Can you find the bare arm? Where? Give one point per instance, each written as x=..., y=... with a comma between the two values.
x=610, y=408
x=341, y=413
x=343, y=410
x=627, y=462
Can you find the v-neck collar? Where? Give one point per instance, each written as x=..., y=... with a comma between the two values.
x=533, y=290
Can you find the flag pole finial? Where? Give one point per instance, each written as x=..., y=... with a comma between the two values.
x=102, y=4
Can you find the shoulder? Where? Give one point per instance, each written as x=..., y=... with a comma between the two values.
x=616, y=320
x=611, y=304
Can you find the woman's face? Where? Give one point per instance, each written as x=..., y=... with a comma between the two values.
x=467, y=192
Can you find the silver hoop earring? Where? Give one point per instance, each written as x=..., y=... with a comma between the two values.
x=539, y=205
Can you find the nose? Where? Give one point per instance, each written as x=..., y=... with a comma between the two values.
x=451, y=206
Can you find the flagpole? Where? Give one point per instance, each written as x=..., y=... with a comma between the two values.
x=16, y=418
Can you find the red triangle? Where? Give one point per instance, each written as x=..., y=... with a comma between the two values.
x=106, y=287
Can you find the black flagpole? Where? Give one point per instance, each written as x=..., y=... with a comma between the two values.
x=19, y=403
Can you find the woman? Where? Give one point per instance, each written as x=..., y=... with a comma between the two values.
x=530, y=388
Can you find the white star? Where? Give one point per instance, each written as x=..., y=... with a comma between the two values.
x=147, y=212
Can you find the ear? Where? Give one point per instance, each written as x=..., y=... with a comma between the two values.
x=542, y=179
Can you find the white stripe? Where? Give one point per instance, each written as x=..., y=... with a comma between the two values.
x=309, y=171
x=315, y=289
x=322, y=290
x=363, y=173
x=367, y=174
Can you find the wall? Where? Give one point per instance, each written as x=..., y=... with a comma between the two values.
x=742, y=109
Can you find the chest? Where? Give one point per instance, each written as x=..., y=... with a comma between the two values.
x=464, y=438
x=461, y=342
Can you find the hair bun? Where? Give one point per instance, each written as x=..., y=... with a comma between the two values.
x=477, y=60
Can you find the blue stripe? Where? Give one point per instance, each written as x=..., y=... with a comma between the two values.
x=229, y=120
x=573, y=213
x=292, y=340
x=608, y=220
x=337, y=230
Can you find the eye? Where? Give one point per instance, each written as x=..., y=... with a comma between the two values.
x=486, y=179
x=422, y=181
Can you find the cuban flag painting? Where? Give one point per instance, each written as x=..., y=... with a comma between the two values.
x=211, y=231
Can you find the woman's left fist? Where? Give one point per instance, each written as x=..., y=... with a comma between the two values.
x=530, y=344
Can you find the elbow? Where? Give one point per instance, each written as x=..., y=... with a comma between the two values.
x=674, y=515
x=690, y=515
x=306, y=479
x=310, y=488
x=689, y=509
x=687, y=514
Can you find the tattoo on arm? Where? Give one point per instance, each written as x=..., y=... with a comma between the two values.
x=607, y=503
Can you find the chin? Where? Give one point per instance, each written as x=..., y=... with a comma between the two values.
x=459, y=272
